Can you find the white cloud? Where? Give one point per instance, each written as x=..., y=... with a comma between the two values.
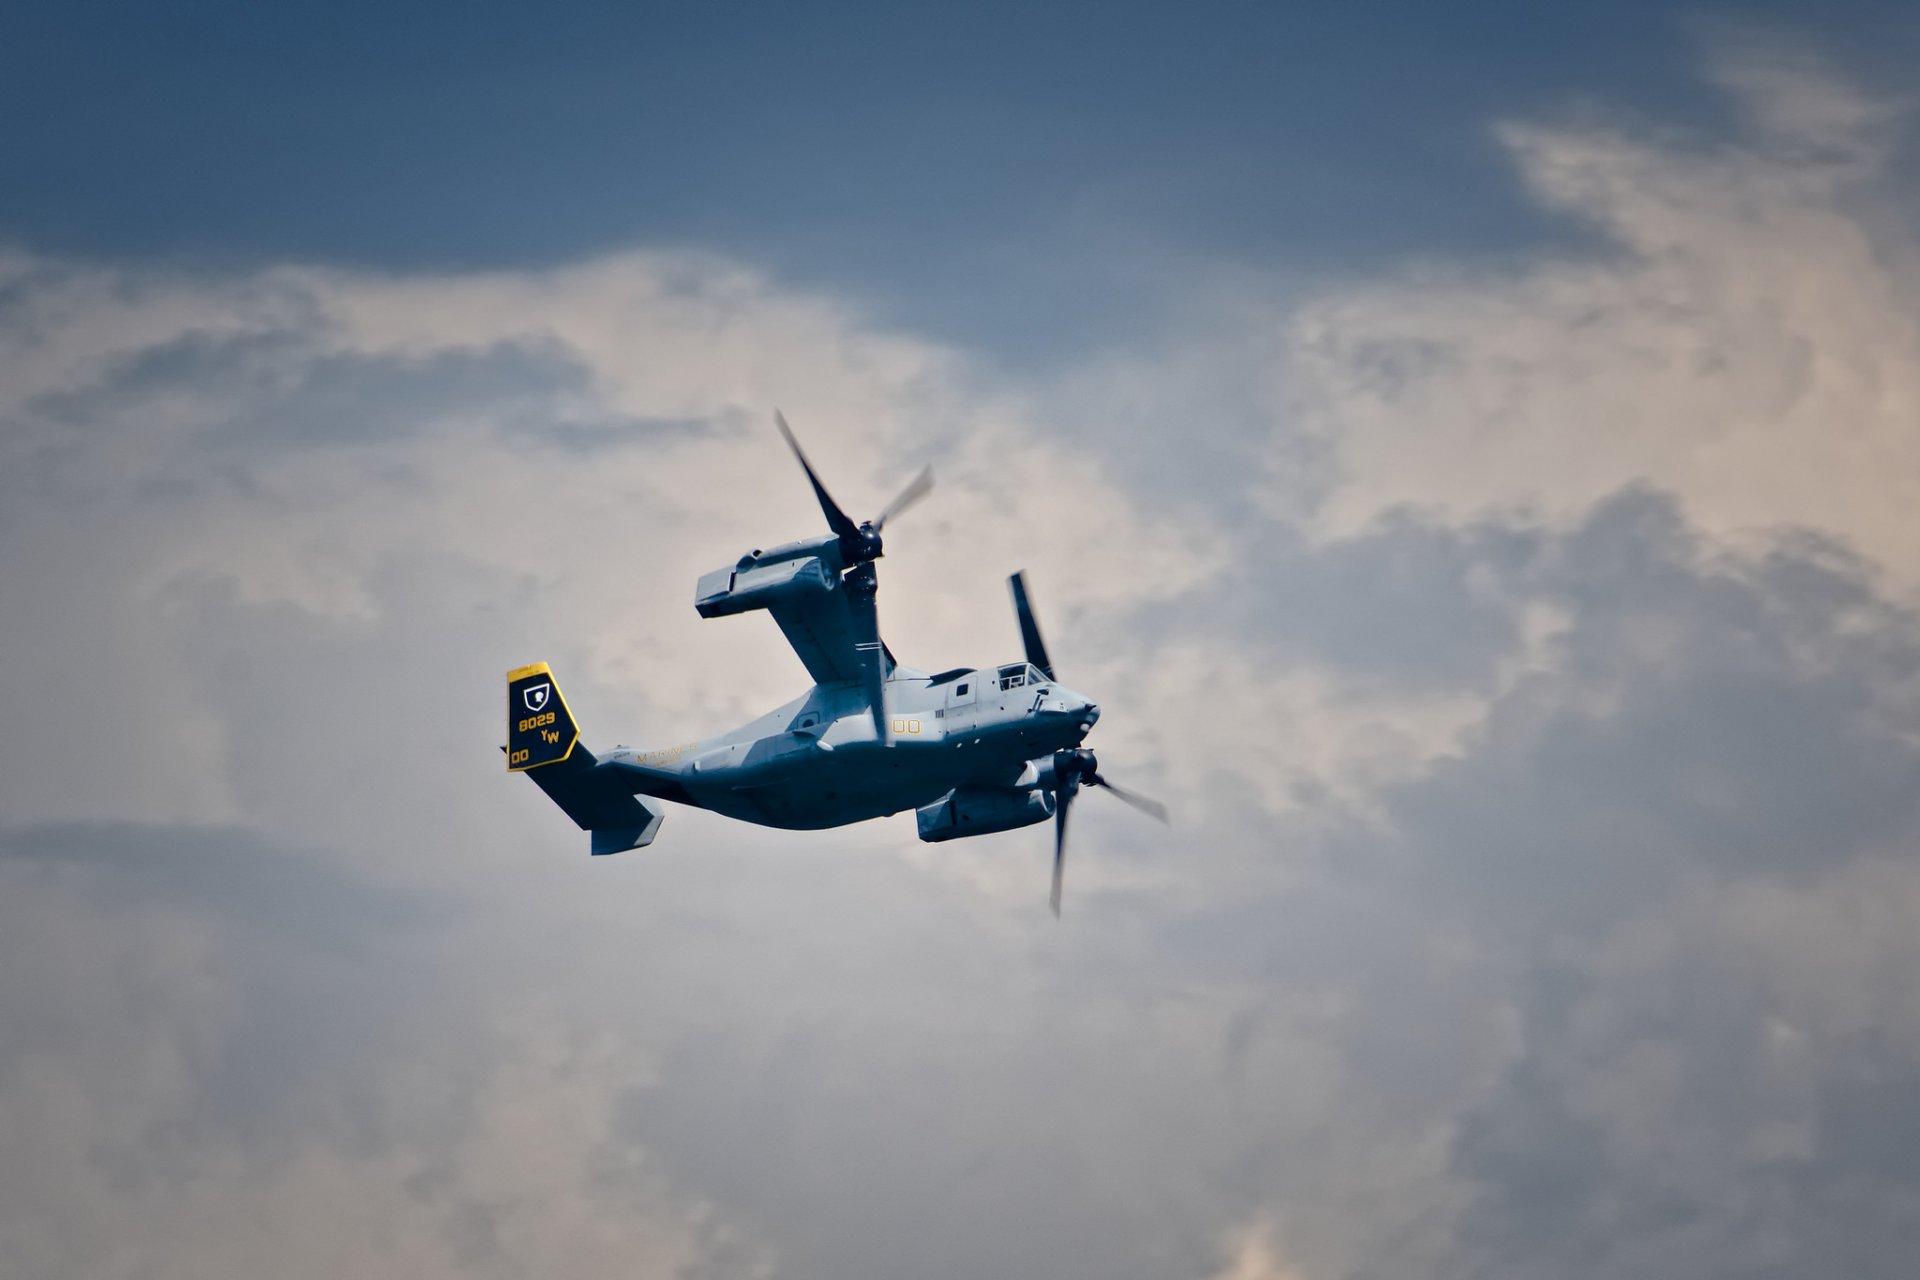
x=1737, y=337
x=272, y=538
x=431, y=1166
x=147, y=442
x=1253, y=1255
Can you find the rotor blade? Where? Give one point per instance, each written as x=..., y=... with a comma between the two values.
x=915, y=491
x=1064, y=799
x=862, y=586
x=1152, y=808
x=837, y=520
x=1029, y=629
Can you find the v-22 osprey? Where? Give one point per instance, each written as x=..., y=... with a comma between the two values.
x=973, y=750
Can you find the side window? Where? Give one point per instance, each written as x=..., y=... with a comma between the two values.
x=960, y=696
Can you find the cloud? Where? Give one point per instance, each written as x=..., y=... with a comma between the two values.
x=1693, y=1092
x=1254, y=1257
x=1736, y=335
x=227, y=455
x=1529, y=666
x=223, y=1055
x=1715, y=744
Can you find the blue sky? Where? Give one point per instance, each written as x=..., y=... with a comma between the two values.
x=1469, y=451
x=1011, y=176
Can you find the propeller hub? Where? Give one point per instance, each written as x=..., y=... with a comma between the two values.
x=1078, y=765
x=864, y=546
x=859, y=543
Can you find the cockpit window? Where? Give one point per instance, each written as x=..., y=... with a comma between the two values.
x=1012, y=677
x=1019, y=673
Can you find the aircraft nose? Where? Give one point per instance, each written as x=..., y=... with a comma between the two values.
x=1090, y=713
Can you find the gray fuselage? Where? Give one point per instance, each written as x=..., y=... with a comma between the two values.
x=816, y=762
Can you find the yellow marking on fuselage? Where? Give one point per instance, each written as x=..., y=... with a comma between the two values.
x=665, y=755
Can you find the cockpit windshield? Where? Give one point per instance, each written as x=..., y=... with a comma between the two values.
x=1018, y=674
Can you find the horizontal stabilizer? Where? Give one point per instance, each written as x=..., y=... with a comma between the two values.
x=596, y=797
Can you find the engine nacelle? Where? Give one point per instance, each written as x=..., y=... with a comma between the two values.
x=754, y=585
x=979, y=811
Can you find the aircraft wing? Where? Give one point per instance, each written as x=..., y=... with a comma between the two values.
x=820, y=629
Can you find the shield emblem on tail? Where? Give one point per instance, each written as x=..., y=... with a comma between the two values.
x=535, y=695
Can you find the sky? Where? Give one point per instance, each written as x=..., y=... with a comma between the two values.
x=1468, y=452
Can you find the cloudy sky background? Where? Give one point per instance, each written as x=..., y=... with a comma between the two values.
x=1470, y=457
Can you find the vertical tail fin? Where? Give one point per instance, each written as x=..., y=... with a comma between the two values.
x=540, y=729
x=543, y=738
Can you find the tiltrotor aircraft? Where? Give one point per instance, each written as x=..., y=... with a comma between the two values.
x=974, y=750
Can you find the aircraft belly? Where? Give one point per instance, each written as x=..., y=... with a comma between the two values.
x=830, y=789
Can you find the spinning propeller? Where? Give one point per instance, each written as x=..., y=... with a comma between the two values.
x=860, y=546
x=859, y=543
x=1071, y=769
